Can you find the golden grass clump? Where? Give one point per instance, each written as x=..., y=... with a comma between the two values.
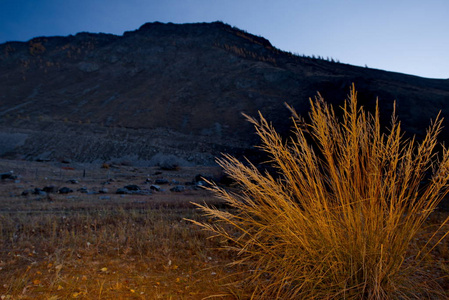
x=341, y=217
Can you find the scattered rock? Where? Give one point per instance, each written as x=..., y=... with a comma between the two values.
x=108, y=181
x=200, y=180
x=43, y=159
x=201, y=177
x=132, y=187
x=122, y=191
x=132, y=190
x=26, y=192
x=82, y=190
x=104, y=198
x=66, y=161
x=65, y=190
x=103, y=191
x=178, y=188
x=148, y=180
x=202, y=183
x=49, y=189
x=161, y=181
x=155, y=187
x=38, y=191
x=8, y=175
x=72, y=181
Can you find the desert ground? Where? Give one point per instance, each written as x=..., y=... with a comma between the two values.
x=93, y=243
x=88, y=242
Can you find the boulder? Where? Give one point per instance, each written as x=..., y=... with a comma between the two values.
x=72, y=181
x=161, y=181
x=65, y=190
x=38, y=191
x=108, y=181
x=82, y=190
x=26, y=192
x=122, y=191
x=155, y=187
x=49, y=189
x=7, y=175
x=132, y=191
x=200, y=180
x=43, y=159
x=178, y=188
x=132, y=187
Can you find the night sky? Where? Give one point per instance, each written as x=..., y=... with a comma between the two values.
x=406, y=36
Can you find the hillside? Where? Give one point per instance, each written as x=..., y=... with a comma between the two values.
x=176, y=91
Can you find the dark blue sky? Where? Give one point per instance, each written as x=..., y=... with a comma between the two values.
x=406, y=36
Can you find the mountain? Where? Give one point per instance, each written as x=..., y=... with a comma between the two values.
x=177, y=91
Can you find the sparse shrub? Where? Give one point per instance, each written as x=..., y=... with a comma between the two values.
x=341, y=218
x=36, y=48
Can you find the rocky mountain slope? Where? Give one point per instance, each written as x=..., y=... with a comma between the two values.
x=170, y=91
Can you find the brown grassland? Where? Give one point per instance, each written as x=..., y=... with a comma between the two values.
x=81, y=246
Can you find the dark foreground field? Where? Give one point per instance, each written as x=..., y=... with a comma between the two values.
x=92, y=245
x=95, y=244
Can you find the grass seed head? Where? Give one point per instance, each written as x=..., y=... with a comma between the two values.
x=340, y=218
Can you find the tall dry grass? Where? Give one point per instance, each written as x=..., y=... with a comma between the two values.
x=340, y=218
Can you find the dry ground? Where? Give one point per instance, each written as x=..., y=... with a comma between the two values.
x=105, y=246
x=109, y=246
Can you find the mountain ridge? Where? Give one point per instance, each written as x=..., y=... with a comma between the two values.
x=176, y=90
